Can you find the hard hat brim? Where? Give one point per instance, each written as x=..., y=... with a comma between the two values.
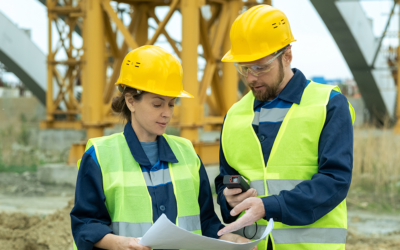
x=185, y=94
x=242, y=58
x=182, y=93
x=229, y=57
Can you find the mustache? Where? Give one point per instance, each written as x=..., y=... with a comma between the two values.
x=252, y=85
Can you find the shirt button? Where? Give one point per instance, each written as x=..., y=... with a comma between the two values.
x=262, y=138
x=162, y=208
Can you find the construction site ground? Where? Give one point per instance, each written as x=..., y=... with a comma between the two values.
x=34, y=216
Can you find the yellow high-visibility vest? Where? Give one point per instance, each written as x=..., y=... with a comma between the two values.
x=293, y=159
x=127, y=199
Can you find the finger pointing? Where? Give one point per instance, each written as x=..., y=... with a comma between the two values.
x=240, y=207
x=233, y=226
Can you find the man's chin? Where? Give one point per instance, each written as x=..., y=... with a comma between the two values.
x=260, y=95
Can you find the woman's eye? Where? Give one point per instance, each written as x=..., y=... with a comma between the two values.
x=172, y=105
x=157, y=106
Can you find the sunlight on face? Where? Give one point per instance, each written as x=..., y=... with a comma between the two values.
x=265, y=86
x=152, y=115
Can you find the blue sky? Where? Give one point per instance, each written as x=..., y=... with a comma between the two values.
x=314, y=52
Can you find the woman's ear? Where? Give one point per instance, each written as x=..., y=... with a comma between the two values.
x=130, y=102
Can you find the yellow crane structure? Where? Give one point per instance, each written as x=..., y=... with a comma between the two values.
x=100, y=25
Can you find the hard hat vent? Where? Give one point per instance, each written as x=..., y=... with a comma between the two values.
x=137, y=66
x=280, y=23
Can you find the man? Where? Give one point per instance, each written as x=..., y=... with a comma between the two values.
x=290, y=137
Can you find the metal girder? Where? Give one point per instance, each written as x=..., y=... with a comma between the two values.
x=357, y=55
x=121, y=27
x=62, y=75
x=77, y=28
x=100, y=30
x=397, y=126
x=23, y=58
x=132, y=28
x=383, y=35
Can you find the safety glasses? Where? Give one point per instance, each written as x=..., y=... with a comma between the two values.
x=257, y=69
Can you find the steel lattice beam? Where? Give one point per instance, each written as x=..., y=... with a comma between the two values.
x=100, y=25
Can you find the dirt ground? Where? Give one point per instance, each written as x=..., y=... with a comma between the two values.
x=373, y=231
x=34, y=216
x=357, y=242
x=21, y=231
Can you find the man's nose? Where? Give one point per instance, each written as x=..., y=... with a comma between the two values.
x=251, y=78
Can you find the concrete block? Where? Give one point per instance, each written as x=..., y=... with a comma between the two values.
x=57, y=174
x=12, y=109
x=59, y=140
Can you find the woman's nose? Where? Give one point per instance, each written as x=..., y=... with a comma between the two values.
x=167, y=112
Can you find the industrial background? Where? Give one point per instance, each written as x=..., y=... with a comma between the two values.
x=62, y=98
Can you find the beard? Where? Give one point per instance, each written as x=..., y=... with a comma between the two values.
x=271, y=91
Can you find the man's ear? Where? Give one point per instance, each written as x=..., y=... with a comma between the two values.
x=287, y=57
x=130, y=102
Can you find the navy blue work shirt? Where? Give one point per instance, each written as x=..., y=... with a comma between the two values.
x=311, y=199
x=90, y=219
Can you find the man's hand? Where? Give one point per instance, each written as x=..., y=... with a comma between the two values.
x=254, y=211
x=234, y=196
x=235, y=238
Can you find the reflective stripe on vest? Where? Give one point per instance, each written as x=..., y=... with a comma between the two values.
x=189, y=223
x=130, y=229
x=297, y=235
x=125, y=185
x=293, y=159
x=155, y=178
x=274, y=186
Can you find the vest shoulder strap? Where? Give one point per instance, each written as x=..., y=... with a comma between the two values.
x=104, y=139
x=318, y=89
x=96, y=141
x=184, y=143
x=179, y=140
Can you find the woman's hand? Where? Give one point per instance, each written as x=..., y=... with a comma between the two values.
x=235, y=238
x=115, y=242
x=130, y=243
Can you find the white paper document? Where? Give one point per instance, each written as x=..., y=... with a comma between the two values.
x=166, y=235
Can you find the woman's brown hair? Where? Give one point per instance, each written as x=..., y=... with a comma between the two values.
x=119, y=106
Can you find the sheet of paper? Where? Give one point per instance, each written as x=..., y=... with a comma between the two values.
x=166, y=235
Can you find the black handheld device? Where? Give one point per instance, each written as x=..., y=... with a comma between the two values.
x=236, y=181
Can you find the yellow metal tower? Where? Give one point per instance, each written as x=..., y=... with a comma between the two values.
x=100, y=24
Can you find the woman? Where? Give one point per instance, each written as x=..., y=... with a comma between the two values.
x=126, y=181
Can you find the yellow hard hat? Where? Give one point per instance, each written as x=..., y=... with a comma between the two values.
x=152, y=69
x=258, y=32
